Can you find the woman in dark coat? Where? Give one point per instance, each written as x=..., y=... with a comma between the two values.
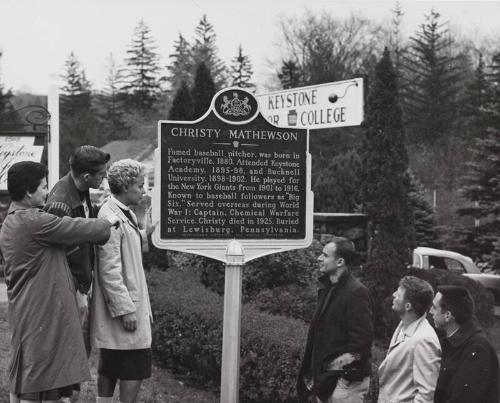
x=48, y=351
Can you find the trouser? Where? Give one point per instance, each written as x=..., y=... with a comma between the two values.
x=349, y=392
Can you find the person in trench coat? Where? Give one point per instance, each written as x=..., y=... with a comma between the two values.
x=121, y=315
x=48, y=352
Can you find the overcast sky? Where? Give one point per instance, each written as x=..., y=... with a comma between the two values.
x=36, y=36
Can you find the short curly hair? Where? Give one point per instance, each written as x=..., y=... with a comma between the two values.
x=124, y=173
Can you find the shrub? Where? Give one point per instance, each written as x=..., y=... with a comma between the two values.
x=187, y=338
x=294, y=301
x=296, y=267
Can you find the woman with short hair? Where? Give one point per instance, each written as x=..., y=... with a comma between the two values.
x=48, y=351
x=121, y=312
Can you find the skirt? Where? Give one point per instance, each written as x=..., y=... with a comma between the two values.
x=127, y=365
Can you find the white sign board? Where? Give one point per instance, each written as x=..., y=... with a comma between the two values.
x=15, y=149
x=321, y=106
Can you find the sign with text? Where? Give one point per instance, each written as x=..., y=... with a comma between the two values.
x=232, y=175
x=321, y=106
x=15, y=149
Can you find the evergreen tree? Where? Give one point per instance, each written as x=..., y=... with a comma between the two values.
x=290, y=75
x=241, y=71
x=75, y=92
x=396, y=41
x=142, y=71
x=203, y=91
x=181, y=64
x=79, y=124
x=426, y=233
x=481, y=184
x=337, y=186
x=111, y=102
x=205, y=51
x=431, y=80
x=385, y=182
x=182, y=106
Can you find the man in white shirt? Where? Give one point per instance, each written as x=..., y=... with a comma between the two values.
x=410, y=370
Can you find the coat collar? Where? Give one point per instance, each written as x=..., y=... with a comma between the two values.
x=465, y=332
x=17, y=205
x=115, y=208
x=324, y=280
x=401, y=334
x=73, y=193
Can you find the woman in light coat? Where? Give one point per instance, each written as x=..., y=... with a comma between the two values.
x=121, y=312
x=48, y=352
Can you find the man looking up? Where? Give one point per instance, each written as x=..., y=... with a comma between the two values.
x=469, y=369
x=410, y=369
x=337, y=360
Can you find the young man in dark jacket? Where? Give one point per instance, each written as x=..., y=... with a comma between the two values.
x=469, y=364
x=70, y=197
x=337, y=361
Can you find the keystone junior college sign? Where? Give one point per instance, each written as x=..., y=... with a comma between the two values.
x=232, y=175
x=320, y=106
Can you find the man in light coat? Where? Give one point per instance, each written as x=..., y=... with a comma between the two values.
x=410, y=370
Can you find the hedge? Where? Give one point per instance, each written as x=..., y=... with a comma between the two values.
x=187, y=338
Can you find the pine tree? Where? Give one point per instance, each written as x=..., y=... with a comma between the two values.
x=385, y=182
x=142, y=71
x=111, y=102
x=426, y=233
x=203, y=91
x=79, y=123
x=290, y=75
x=396, y=42
x=76, y=91
x=431, y=79
x=241, y=71
x=182, y=106
x=337, y=187
x=205, y=51
x=180, y=68
x=481, y=184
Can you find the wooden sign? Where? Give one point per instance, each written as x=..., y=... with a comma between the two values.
x=15, y=149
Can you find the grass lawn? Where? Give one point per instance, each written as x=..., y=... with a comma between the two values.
x=161, y=388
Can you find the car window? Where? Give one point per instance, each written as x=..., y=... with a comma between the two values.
x=454, y=265
x=436, y=262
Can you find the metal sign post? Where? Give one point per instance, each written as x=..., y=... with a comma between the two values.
x=230, y=372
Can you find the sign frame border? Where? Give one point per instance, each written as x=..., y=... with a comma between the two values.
x=216, y=248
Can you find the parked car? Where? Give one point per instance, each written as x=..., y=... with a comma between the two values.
x=429, y=258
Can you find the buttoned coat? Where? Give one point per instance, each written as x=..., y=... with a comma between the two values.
x=469, y=369
x=48, y=351
x=410, y=369
x=120, y=286
x=342, y=323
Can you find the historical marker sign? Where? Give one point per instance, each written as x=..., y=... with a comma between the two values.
x=321, y=106
x=232, y=175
